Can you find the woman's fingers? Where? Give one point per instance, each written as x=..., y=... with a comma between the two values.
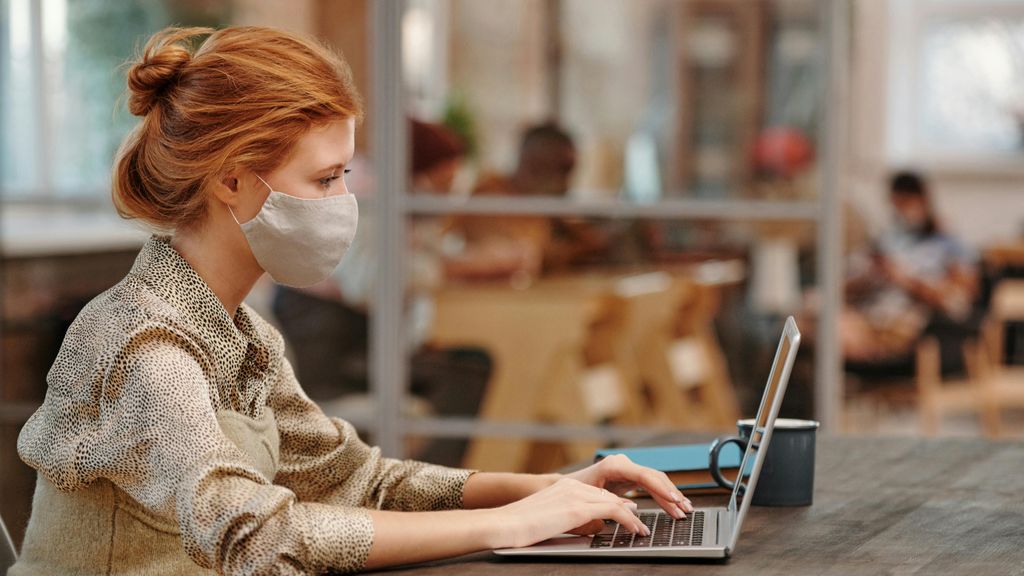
x=654, y=482
x=619, y=471
x=658, y=485
x=671, y=508
x=600, y=504
x=623, y=508
x=625, y=517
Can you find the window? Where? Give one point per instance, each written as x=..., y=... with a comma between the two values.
x=60, y=78
x=972, y=84
x=956, y=84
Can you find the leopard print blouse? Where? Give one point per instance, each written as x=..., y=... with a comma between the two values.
x=133, y=397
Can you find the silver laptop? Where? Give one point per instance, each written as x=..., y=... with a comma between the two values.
x=706, y=532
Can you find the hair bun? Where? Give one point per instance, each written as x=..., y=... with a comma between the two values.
x=161, y=64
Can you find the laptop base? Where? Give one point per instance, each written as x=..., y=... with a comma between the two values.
x=716, y=523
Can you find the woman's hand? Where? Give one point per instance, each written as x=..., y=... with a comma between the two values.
x=567, y=506
x=619, y=474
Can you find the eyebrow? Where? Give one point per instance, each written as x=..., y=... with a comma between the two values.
x=332, y=167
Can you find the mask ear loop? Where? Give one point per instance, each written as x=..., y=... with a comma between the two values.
x=264, y=182
x=233, y=212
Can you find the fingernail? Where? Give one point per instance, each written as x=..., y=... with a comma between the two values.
x=682, y=512
x=687, y=506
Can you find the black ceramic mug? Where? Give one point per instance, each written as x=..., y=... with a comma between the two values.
x=787, y=475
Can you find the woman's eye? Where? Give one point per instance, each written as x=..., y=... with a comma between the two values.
x=325, y=182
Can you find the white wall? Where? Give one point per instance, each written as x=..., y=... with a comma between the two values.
x=498, y=65
x=293, y=15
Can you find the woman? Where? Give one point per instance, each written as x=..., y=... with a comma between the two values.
x=174, y=433
x=916, y=278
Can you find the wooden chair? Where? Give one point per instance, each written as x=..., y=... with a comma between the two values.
x=635, y=335
x=938, y=398
x=630, y=334
x=991, y=386
x=1007, y=305
x=695, y=322
x=646, y=316
x=923, y=383
x=1002, y=384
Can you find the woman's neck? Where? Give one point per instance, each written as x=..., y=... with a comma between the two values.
x=221, y=257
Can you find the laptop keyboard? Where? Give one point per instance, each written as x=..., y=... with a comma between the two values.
x=665, y=531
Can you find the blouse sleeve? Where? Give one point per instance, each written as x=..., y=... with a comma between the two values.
x=324, y=460
x=155, y=435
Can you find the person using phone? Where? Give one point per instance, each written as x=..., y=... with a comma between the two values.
x=915, y=277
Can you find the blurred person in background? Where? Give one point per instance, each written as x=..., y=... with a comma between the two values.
x=547, y=159
x=174, y=437
x=915, y=278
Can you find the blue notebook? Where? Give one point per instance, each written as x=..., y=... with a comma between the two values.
x=685, y=464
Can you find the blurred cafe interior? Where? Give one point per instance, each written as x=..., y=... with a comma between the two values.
x=583, y=222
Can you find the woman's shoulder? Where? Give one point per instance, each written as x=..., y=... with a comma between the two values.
x=116, y=343
x=125, y=309
x=112, y=324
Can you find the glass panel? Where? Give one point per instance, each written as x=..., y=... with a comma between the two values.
x=613, y=99
x=656, y=99
x=586, y=321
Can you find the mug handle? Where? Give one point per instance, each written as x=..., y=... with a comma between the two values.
x=716, y=447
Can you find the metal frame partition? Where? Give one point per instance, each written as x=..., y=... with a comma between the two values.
x=389, y=366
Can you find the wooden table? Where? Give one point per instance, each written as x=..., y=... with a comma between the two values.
x=534, y=337
x=540, y=338
x=881, y=506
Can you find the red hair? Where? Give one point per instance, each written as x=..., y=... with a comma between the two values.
x=242, y=99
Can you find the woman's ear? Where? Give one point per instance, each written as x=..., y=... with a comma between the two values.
x=226, y=189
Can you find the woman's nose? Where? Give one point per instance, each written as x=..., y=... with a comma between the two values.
x=338, y=190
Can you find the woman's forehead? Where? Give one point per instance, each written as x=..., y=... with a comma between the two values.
x=326, y=145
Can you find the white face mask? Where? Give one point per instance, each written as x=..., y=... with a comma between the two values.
x=300, y=241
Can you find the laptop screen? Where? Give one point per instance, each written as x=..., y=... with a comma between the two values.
x=771, y=399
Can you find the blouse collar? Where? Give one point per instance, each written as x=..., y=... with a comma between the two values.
x=245, y=351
